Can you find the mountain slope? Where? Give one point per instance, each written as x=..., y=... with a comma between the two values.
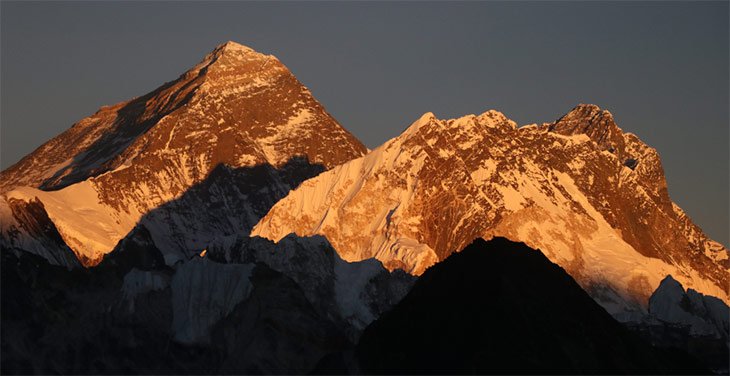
x=501, y=307
x=687, y=320
x=236, y=109
x=247, y=306
x=591, y=197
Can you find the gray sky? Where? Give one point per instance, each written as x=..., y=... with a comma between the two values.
x=661, y=68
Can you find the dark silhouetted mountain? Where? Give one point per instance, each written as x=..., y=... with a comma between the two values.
x=502, y=307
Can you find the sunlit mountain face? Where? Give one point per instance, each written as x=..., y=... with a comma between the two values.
x=238, y=128
x=591, y=197
x=226, y=223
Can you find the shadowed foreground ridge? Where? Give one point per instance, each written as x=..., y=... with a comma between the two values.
x=249, y=306
x=501, y=307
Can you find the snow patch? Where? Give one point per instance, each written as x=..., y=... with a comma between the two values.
x=203, y=292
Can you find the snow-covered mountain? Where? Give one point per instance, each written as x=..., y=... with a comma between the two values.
x=591, y=197
x=247, y=305
x=156, y=197
x=687, y=320
x=164, y=199
x=703, y=315
x=203, y=156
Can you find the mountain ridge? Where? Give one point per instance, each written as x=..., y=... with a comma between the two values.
x=450, y=181
x=225, y=222
x=146, y=111
x=236, y=107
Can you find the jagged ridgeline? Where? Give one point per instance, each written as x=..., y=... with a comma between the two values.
x=156, y=198
x=589, y=195
x=226, y=223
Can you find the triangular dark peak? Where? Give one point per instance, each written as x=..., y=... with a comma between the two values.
x=501, y=307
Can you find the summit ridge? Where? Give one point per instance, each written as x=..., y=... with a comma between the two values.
x=591, y=197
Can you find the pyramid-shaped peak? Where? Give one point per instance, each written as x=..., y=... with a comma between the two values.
x=232, y=53
x=230, y=63
x=670, y=282
x=233, y=46
x=587, y=112
x=235, y=51
x=587, y=107
x=599, y=125
x=588, y=119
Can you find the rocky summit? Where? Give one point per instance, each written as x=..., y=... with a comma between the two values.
x=237, y=114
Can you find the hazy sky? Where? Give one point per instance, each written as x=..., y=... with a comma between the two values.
x=661, y=68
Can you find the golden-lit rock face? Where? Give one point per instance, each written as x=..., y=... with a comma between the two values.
x=237, y=108
x=590, y=196
x=208, y=154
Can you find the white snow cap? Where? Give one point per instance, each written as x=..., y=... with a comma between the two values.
x=492, y=118
x=425, y=118
x=418, y=124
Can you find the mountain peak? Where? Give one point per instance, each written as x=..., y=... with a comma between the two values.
x=587, y=115
x=670, y=283
x=586, y=107
x=235, y=50
x=591, y=120
x=422, y=121
x=425, y=118
x=494, y=118
x=493, y=114
x=463, y=332
x=599, y=125
x=233, y=46
x=231, y=59
x=488, y=119
x=590, y=113
x=237, y=109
